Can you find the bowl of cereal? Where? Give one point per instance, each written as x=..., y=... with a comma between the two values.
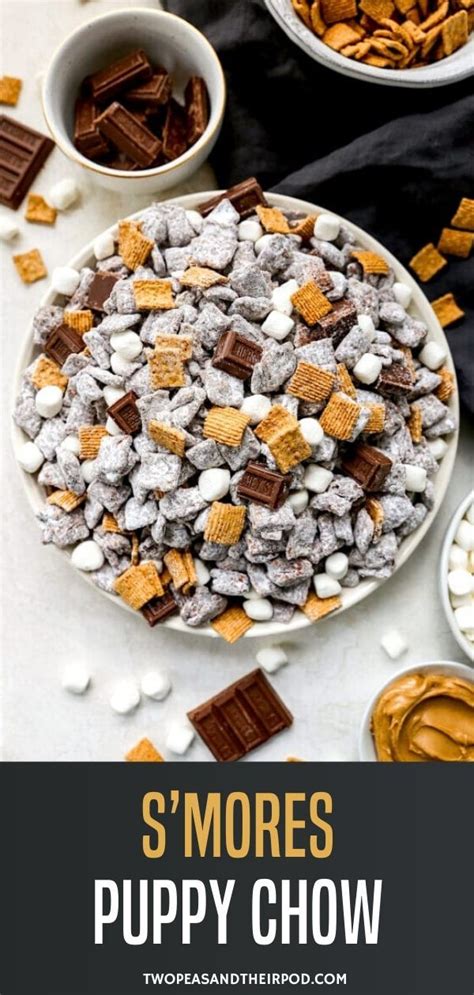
x=380, y=41
x=456, y=575
x=223, y=418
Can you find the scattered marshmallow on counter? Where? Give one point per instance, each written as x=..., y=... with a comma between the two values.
x=393, y=643
x=155, y=684
x=49, y=401
x=65, y=280
x=8, y=229
x=64, y=194
x=125, y=698
x=327, y=227
x=179, y=737
x=87, y=556
x=271, y=658
x=30, y=457
x=104, y=245
x=75, y=678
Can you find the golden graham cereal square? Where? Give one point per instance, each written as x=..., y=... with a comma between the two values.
x=415, y=424
x=344, y=381
x=10, y=89
x=133, y=246
x=225, y=523
x=109, y=523
x=447, y=310
x=66, y=500
x=30, y=266
x=340, y=416
x=427, y=262
x=182, y=343
x=153, y=295
x=454, y=32
x=37, y=210
x=338, y=36
x=166, y=368
x=447, y=386
x=225, y=425
x=232, y=624
x=371, y=262
x=273, y=220
x=338, y=10
x=303, y=10
x=47, y=373
x=305, y=227
x=376, y=421
x=311, y=383
x=144, y=752
x=138, y=585
x=90, y=438
x=464, y=217
x=278, y=419
x=176, y=563
x=81, y=321
x=310, y=302
x=455, y=243
x=377, y=514
x=316, y=608
x=172, y=438
x=289, y=448
x=202, y=277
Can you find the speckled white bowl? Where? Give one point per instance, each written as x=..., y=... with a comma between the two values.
x=420, y=306
x=466, y=646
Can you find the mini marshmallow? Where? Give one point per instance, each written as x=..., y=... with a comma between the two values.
x=128, y=345
x=8, y=229
x=271, y=658
x=249, y=231
x=258, y=609
x=251, y=595
x=337, y=565
x=402, y=294
x=465, y=536
x=257, y=407
x=65, y=280
x=465, y=617
x=88, y=470
x=311, y=431
x=368, y=368
x=261, y=243
x=112, y=427
x=470, y=561
x=366, y=324
x=281, y=296
x=277, y=325
x=460, y=582
x=119, y=365
x=48, y=401
x=179, y=738
x=470, y=514
x=202, y=573
x=87, y=556
x=30, y=457
x=112, y=394
x=459, y=600
x=214, y=484
x=317, y=478
x=415, y=477
x=437, y=448
x=433, y=355
x=75, y=678
x=63, y=194
x=155, y=684
x=125, y=698
x=104, y=245
x=298, y=500
x=458, y=558
x=72, y=444
x=326, y=586
x=327, y=227
x=393, y=643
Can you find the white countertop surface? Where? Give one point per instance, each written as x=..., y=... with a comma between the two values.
x=50, y=616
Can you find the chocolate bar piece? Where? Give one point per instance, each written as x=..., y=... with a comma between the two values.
x=100, y=288
x=245, y=197
x=337, y=323
x=126, y=414
x=106, y=83
x=61, y=342
x=175, y=140
x=126, y=132
x=159, y=608
x=154, y=92
x=264, y=486
x=395, y=379
x=368, y=466
x=22, y=154
x=243, y=716
x=197, y=108
x=236, y=355
x=87, y=137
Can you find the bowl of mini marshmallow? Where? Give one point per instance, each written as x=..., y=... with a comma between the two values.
x=457, y=575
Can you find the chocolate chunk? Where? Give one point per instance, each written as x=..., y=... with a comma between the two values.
x=152, y=93
x=22, y=153
x=159, y=608
x=101, y=287
x=395, y=379
x=236, y=355
x=368, y=466
x=61, y=342
x=126, y=414
x=244, y=196
x=197, y=108
x=87, y=137
x=126, y=132
x=106, y=83
x=337, y=323
x=264, y=486
x=243, y=716
x=175, y=140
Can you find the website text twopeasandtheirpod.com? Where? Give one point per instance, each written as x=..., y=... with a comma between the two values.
x=325, y=979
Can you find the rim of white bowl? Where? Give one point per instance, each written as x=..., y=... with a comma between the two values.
x=350, y=596
x=366, y=742
x=452, y=69
x=463, y=642
x=70, y=150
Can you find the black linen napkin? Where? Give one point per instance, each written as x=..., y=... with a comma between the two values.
x=395, y=161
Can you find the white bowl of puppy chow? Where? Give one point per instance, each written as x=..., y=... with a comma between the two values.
x=456, y=575
x=227, y=414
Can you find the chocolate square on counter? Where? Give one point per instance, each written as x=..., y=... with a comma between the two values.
x=368, y=466
x=264, y=486
x=337, y=323
x=159, y=608
x=126, y=414
x=244, y=196
x=236, y=355
x=22, y=154
x=395, y=379
x=61, y=342
x=100, y=290
x=245, y=715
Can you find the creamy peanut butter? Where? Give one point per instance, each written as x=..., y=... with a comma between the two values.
x=423, y=717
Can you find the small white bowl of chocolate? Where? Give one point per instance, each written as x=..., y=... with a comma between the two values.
x=457, y=575
x=137, y=98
